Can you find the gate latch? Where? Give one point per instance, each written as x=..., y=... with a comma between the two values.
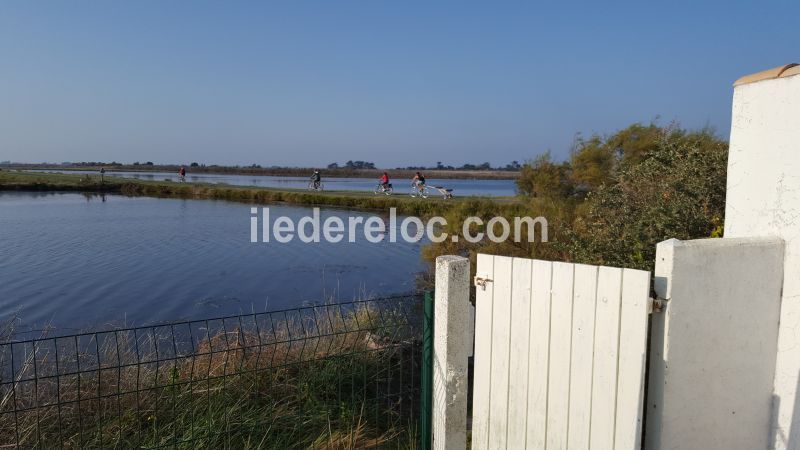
x=481, y=282
x=656, y=305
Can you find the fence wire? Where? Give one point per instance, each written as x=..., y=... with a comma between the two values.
x=331, y=376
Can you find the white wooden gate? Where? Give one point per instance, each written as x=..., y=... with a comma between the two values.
x=559, y=355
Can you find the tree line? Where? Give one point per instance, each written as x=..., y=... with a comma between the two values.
x=514, y=166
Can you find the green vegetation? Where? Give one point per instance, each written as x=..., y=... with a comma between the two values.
x=346, y=385
x=673, y=189
x=614, y=199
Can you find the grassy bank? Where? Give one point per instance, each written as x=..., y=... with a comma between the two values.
x=30, y=181
x=348, y=382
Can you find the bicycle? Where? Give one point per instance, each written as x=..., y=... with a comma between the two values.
x=384, y=189
x=420, y=190
x=315, y=185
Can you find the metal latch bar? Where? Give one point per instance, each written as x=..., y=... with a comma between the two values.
x=481, y=282
x=656, y=305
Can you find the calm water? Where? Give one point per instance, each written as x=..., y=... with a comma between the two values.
x=493, y=188
x=77, y=261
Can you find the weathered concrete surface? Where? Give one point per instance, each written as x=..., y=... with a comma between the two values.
x=763, y=199
x=712, y=353
x=452, y=345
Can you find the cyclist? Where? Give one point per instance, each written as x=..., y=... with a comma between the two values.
x=316, y=178
x=384, y=180
x=182, y=173
x=418, y=182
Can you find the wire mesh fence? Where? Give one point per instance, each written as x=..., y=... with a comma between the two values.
x=342, y=375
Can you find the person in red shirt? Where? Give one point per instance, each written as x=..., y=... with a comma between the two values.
x=182, y=173
x=385, y=180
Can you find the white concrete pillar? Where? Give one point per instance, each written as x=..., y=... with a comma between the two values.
x=451, y=348
x=712, y=352
x=763, y=199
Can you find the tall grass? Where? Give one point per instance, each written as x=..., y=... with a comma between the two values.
x=331, y=377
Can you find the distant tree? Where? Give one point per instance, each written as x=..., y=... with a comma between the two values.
x=513, y=166
x=542, y=177
x=597, y=159
x=592, y=163
x=359, y=165
x=333, y=166
x=149, y=163
x=631, y=145
x=194, y=164
x=136, y=163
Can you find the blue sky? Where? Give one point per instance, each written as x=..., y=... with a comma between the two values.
x=398, y=83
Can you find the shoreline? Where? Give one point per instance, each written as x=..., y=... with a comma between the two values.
x=280, y=171
x=368, y=201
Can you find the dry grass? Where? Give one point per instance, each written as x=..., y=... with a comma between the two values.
x=342, y=380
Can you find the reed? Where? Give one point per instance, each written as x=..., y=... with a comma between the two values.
x=288, y=385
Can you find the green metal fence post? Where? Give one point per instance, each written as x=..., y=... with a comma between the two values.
x=426, y=407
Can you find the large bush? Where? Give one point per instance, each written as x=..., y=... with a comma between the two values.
x=674, y=190
x=613, y=200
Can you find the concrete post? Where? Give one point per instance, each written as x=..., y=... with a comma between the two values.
x=763, y=199
x=452, y=345
x=712, y=353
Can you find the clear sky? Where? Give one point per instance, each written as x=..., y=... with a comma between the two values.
x=397, y=83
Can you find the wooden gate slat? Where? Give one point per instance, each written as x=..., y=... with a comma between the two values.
x=580, y=401
x=483, y=355
x=632, y=357
x=501, y=343
x=560, y=349
x=606, y=346
x=542, y=276
x=520, y=339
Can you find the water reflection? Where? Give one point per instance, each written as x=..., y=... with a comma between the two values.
x=78, y=261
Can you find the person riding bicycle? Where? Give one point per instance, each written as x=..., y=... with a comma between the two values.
x=418, y=181
x=316, y=178
x=182, y=173
x=384, y=180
